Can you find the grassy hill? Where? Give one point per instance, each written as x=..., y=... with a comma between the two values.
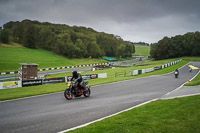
x=12, y=55
x=142, y=50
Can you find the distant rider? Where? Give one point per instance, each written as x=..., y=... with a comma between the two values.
x=176, y=73
x=78, y=78
x=190, y=69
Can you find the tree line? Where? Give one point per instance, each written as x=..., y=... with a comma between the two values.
x=177, y=46
x=141, y=43
x=72, y=42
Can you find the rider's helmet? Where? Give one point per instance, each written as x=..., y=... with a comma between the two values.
x=74, y=73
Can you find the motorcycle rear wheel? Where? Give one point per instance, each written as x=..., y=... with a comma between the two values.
x=68, y=94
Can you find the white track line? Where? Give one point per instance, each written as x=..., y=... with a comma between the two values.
x=180, y=96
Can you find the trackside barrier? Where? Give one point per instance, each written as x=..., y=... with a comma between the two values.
x=16, y=84
x=102, y=75
x=137, y=72
x=74, y=66
x=149, y=70
x=57, y=68
x=10, y=84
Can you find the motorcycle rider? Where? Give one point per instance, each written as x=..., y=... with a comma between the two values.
x=176, y=73
x=78, y=79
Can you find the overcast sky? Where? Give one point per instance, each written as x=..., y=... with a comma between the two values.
x=133, y=20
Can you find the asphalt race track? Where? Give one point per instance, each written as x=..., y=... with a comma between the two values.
x=53, y=113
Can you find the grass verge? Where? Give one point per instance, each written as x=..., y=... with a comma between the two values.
x=194, y=82
x=181, y=115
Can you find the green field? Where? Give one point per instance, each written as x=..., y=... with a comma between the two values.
x=11, y=56
x=142, y=50
x=180, y=115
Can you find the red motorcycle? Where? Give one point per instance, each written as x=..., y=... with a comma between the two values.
x=74, y=91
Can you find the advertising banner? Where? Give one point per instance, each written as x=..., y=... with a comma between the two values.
x=102, y=75
x=85, y=77
x=135, y=72
x=31, y=82
x=93, y=76
x=53, y=80
x=139, y=71
x=11, y=84
x=68, y=78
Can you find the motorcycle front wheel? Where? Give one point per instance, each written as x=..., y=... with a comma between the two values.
x=87, y=92
x=68, y=94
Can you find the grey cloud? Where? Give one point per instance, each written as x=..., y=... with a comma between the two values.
x=134, y=20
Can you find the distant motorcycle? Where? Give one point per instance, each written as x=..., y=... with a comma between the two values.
x=176, y=74
x=74, y=91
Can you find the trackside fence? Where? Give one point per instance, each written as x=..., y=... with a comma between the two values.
x=142, y=71
x=24, y=83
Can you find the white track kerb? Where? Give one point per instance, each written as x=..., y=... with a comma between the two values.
x=86, y=124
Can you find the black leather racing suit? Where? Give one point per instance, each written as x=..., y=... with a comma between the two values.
x=78, y=79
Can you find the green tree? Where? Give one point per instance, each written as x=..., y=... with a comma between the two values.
x=94, y=50
x=196, y=44
x=18, y=32
x=0, y=33
x=72, y=42
x=108, y=43
x=176, y=47
x=81, y=48
x=5, y=36
x=121, y=50
x=187, y=43
x=153, y=50
x=129, y=49
x=30, y=36
x=163, y=48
